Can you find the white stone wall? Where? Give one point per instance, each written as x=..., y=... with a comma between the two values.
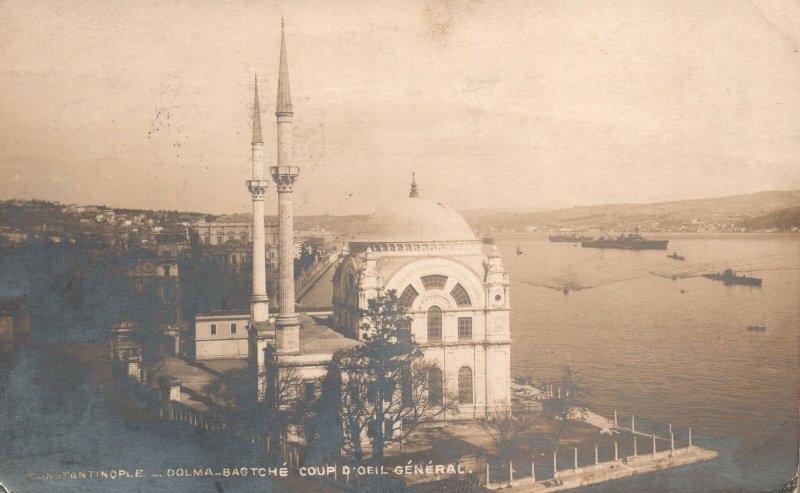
x=223, y=344
x=487, y=353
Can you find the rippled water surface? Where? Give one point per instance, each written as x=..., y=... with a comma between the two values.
x=672, y=350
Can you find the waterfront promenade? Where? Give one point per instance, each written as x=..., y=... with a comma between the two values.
x=607, y=471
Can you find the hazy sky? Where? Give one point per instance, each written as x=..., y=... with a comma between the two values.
x=493, y=103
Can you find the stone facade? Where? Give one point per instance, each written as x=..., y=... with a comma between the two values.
x=458, y=298
x=221, y=335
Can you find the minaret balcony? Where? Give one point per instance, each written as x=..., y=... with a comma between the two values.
x=251, y=184
x=284, y=170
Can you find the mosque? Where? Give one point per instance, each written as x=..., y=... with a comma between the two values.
x=457, y=297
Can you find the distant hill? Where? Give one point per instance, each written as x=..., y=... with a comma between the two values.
x=731, y=213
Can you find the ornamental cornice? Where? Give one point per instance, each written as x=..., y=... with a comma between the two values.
x=257, y=188
x=406, y=247
x=284, y=177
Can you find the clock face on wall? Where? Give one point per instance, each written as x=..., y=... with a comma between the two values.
x=497, y=297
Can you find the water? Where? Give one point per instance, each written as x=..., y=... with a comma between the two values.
x=640, y=345
x=644, y=347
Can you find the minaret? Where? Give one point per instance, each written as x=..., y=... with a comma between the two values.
x=259, y=304
x=287, y=332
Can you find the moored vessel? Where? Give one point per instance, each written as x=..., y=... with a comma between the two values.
x=729, y=277
x=632, y=241
x=569, y=238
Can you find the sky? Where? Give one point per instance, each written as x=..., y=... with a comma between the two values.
x=510, y=104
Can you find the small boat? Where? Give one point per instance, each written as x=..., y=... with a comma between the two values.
x=756, y=328
x=675, y=256
x=519, y=251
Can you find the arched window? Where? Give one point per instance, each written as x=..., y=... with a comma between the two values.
x=243, y=238
x=460, y=295
x=435, y=386
x=434, y=282
x=434, y=323
x=465, y=385
x=406, y=299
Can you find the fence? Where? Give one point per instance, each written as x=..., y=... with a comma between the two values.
x=562, y=463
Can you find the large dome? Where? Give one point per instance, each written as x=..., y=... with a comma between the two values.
x=414, y=219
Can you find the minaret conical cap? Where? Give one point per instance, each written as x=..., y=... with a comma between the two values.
x=414, y=192
x=284, y=93
x=257, y=118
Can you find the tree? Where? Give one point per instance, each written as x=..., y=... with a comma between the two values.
x=231, y=397
x=505, y=428
x=572, y=395
x=384, y=383
x=288, y=407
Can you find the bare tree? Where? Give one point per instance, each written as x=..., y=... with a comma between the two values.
x=231, y=397
x=505, y=428
x=288, y=407
x=572, y=395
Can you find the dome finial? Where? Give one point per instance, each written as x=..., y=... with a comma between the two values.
x=414, y=191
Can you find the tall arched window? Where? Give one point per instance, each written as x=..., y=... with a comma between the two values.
x=460, y=295
x=435, y=386
x=465, y=385
x=434, y=323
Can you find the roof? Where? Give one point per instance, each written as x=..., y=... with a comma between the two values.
x=316, y=336
x=125, y=325
x=224, y=314
x=414, y=219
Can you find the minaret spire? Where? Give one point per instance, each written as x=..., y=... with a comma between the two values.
x=284, y=105
x=414, y=192
x=259, y=304
x=287, y=324
x=256, y=118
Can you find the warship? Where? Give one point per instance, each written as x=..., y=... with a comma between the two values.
x=729, y=277
x=633, y=241
x=569, y=238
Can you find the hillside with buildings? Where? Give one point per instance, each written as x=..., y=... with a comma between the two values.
x=762, y=211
